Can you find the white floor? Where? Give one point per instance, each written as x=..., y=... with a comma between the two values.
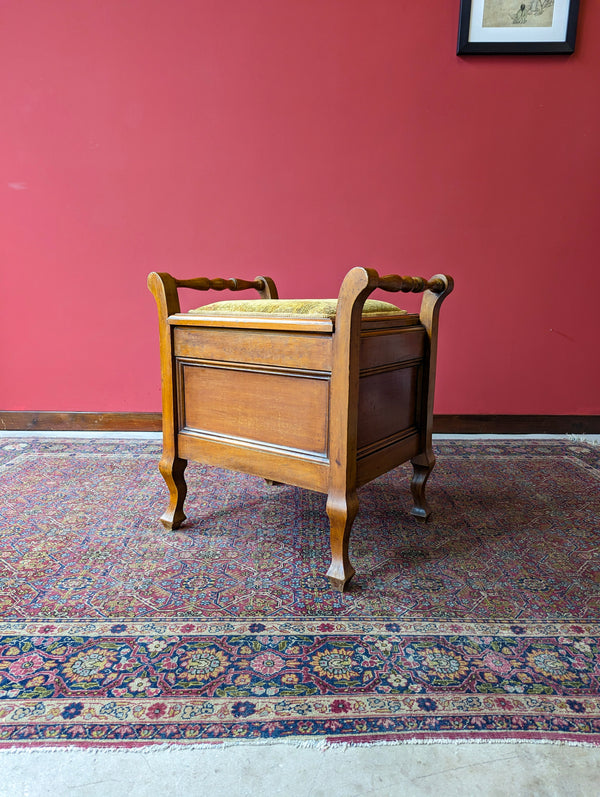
x=254, y=770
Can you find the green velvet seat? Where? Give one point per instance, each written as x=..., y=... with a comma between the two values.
x=288, y=308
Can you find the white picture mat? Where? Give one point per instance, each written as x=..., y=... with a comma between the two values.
x=519, y=33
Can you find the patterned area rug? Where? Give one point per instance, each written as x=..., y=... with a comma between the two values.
x=482, y=624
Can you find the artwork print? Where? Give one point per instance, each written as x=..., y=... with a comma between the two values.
x=517, y=26
x=529, y=14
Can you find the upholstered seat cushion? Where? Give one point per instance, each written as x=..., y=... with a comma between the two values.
x=315, y=308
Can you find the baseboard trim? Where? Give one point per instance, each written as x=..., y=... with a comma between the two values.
x=516, y=424
x=151, y=422
x=81, y=421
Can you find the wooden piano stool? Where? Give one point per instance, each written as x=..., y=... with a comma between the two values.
x=321, y=394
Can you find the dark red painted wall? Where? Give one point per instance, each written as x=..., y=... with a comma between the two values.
x=296, y=138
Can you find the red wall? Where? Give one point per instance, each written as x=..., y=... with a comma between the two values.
x=296, y=138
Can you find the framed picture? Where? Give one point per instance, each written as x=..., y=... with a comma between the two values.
x=517, y=26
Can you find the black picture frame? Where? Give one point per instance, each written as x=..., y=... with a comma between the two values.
x=470, y=40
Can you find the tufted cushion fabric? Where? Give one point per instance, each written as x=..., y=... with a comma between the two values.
x=315, y=308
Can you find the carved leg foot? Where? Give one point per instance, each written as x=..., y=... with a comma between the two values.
x=341, y=510
x=172, y=472
x=422, y=468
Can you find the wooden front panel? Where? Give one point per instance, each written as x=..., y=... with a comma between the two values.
x=372, y=465
x=286, y=410
x=383, y=347
x=387, y=404
x=279, y=465
x=284, y=349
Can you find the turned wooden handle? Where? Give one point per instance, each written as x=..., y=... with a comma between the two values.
x=393, y=282
x=164, y=289
x=219, y=284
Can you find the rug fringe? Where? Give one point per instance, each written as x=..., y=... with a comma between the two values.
x=582, y=438
x=318, y=744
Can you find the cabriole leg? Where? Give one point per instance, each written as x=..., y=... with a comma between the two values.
x=172, y=470
x=341, y=510
x=422, y=466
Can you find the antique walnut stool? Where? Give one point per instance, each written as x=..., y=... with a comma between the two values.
x=321, y=394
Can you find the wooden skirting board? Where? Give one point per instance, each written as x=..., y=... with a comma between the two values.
x=516, y=424
x=81, y=421
x=151, y=422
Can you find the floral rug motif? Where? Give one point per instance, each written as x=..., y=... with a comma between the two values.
x=483, y=623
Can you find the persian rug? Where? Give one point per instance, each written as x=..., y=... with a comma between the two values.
x=481, y=624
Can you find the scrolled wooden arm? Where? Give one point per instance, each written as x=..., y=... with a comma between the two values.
x=164, y=289
x=358, y=284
